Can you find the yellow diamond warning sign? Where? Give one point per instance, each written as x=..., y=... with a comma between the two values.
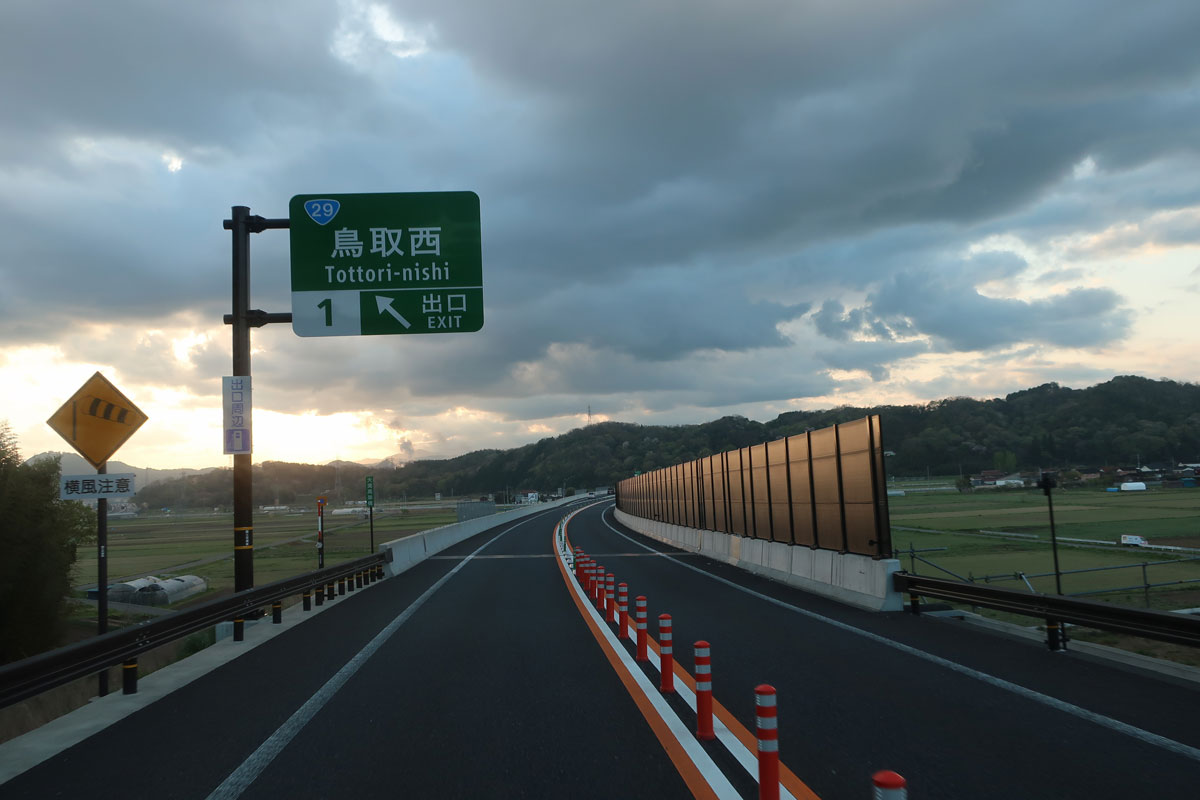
x=97, y=420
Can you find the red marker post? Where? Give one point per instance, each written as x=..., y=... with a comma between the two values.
x=889, y=786
x=610, y=598
x=768, y=742
x=598, y=588
x=704, y=713
x=666, y=659
x=640, y=621
x=622, y=611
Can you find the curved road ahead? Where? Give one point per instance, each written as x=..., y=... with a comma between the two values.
x=478, y=674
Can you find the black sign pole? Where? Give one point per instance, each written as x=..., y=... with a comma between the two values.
x=102, y=571
x=320, y=535
x=242, y=319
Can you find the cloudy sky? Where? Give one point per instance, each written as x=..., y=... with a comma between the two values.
x=689, y=209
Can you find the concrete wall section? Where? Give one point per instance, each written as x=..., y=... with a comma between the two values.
x=857, y=580
x=416, y=548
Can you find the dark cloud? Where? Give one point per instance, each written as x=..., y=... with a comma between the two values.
x=691, y=210
x=954, y=313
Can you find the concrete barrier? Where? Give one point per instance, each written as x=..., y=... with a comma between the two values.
x=416, y=548
x=857, y=580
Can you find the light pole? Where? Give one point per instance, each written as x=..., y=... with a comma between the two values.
x=562, y=490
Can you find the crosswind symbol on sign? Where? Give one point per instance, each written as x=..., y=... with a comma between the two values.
x=104, y=409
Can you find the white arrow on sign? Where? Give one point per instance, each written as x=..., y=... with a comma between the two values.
x=385, y=304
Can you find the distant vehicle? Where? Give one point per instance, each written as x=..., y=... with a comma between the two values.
x=1134, y=541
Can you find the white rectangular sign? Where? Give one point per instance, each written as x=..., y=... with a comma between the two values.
x=94, y=487
x=235, y=399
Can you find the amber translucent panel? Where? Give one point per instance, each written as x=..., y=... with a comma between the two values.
x=777, y=471
x=720, y=495
x=858, y=497
x=760, y=493
x=881, y=503
x=800, y=479
x=826, y=488
x=737, y=500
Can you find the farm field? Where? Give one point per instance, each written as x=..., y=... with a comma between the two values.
x=953, y=521
x=284, y=544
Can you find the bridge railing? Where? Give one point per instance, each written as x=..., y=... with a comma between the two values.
x=36, y=674
x=1160, y=625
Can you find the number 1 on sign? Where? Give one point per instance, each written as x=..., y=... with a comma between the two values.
x=327, y=304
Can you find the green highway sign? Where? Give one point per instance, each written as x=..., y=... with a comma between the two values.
x=371, y=264
x=370, y=491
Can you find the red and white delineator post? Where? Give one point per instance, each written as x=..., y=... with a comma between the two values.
x=768, y=742
x=704, y=711
x=889, y=786
x=610, y=598
x=666, y=658
x=598, y=588
x=640, y=621
x=622, y=611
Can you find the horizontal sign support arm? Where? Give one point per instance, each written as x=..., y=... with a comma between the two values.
x=256, y=318
x=257, y=224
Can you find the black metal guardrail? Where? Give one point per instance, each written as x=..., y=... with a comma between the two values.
x=31, y=676
x=1161, y=625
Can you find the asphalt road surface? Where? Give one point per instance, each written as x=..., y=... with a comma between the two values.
x=476, y=674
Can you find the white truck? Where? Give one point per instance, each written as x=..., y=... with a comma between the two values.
x=1134, y=541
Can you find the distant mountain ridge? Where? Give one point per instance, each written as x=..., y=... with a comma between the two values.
x=1125, y=421
x=75, y=464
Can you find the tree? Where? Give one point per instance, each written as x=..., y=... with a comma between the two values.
x=38, y=537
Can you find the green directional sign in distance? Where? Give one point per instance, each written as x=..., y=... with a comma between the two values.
x=370, y=491
x=369, y=264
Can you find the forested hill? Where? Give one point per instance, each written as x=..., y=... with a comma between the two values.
x=1122, y=422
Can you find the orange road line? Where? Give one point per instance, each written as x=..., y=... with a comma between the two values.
x=789, y=779
x=683, y=764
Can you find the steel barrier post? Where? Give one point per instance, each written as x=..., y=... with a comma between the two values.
x=768, y=742
x=640, y=620
x=330, y=591
x=666, y=658
x=129, y=676
x=307, y=596
x=239, y=629
x=704, y=713
x=358, y=579
x=277, y=612
x=889, y=786
x=320, y=595
x=1054, y=636
x=622, y=611
x=341, y=585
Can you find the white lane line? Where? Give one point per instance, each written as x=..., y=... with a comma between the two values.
x=708, y=768
x=261, y=758
x=1135, y=732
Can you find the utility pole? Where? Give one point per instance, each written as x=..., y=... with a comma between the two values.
x=1056, y=637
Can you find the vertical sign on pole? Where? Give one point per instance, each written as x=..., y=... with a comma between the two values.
x=236, y=405
x=371, y=508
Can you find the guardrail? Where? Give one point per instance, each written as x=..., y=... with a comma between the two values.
x=28, y=677
x=1055, y=609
